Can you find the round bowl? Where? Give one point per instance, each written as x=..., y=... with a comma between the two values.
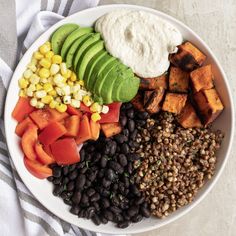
x=42, y=189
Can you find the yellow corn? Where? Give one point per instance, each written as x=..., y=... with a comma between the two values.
x=58, y=79
x=37, y=56
x=105, y=109
x=43, y=80
x=73, y=77
x=34, y=61
x=22, y=93
x=68, y=74
x=45, y=63
x=47, y=87
x=63, y=68
x=44, y=48
x=75, y=103
x=81, y=82
x=54, y=69
x=39, y=87
x=58, y=99
x=23, y=83
x=40, y=94
x=53, y=93
x=61, y=107
x=44, y=73
x=33, y=102
x=48, y=43
x=87, y=101
x=57, y=59
x=52, y=104
x=34, y=79
x=28, y=73
x=39, y=105
x=47, y=99
x=32, y=66
x=32, y=87
x=95, y=107
x=49, y=55
x=70, y=83
x=95, y=117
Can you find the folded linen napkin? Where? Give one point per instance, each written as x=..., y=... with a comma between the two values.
x=20, y=213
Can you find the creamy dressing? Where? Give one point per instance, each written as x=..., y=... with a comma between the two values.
x=141, y=40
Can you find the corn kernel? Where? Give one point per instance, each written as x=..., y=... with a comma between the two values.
x=48, y=43
x=32, y=87
x=40, y=94
x=29, y=92
x=68, y=74
x=43, y=80
x=66, y=90
x=87, y=101
x=47, y=87
x=22, y=93
x=63, y=68
x=75, y=88
x=57, y=59
x=23, y=83
x=52, y=93
x=44, y=48
x=64, y=80
x=37, y=56
x=34, y=79
x=58, y=79
x=47, y=99
x=70, y=83
x=61, y=107
x=58, y=99
x=95, y=107
x=95, y=117
x=32, y=66
x=59, y=91
x=33, y=102
x=49, y=55
x=44, y=73
x=54, y=69
x=75, y=103
x=39, y=87
x=39, y=105
x=67, y=99
x=81, y=82
x=105, y=109
x=78, y=96
x=45, y=63
x=28, y=73
x=73, y=77
x=52, y=104
x=34, y=61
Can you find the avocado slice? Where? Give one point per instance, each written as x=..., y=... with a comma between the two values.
x=87, y=56
x=71, y=39
x=128, y=89
x=82, y=47
x=59, y=36
x=118, y=82
x=98, y=69
x=71, y=52
x=91, y=65
x=102, y=76
x=120, y=71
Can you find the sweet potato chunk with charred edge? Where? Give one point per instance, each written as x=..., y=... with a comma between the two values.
x=137, y=102
x=209, y=105
x=178, y=80
x=188, y=117
x=202, y=78
x=174, y=102
x=154, y=83
x=188, y=57
x=153, y=100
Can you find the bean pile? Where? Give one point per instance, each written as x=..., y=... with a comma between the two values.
x=102, y=186
x=175, y=162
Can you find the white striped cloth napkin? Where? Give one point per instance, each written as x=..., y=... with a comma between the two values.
x=20, y=213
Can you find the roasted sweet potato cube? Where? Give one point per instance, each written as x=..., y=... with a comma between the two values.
x=202, y=78
x=209, y=105
x=188, y=57
x=154, y=83
x=188, y=117
x=178, y=80
x=174, y=102
x=146, y=96
x=153, y=104
x=111, y=129
x=137, y=102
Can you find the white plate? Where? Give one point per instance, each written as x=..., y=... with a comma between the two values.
x=42, y=189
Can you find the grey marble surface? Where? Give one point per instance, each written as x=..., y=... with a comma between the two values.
x=215, y=22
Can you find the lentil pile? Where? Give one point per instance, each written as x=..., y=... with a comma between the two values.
x=175, y=162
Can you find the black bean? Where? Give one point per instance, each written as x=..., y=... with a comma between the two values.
x=91, y=175
x=110, y=174
x=134, y=190
x=143, y=115
x=90, y=192
x=96, y=220
x=118, y=218
x=136, y=218
x=130, y=113
x=127, y=106
x=140, y=123
x=106, y=149
x=65, y=180
x=115, y=187
x=96, y=205
x=64, y=195
x=105, y=202
x=108, y=215
x=130, y=168
x=65, y=170
x=113, y=147
x=88, y=183
x=72, y=167
x=120, y=138
x=68, y=202
x=76, y=198
x=124, y=148
x=81, y=213
x=114, y=165
x=90, y=148
x=81, y=165
x=84, y=198
x=80, y=181
x=115, y=201
x=82, y=155
x=123, y=224
x=117, y=149
x=91, y=212
x=88, y=157
x=105, y=192
x=50, y=178
x=126, y=216
x=70, y=186
x=125, y=132
x=56, y=171
x=83, y=170
x=101, y=173
x=57, y=181
x=140, y=200
x=134, y=156
x=131, y=125
x=95, y=197
x=97, y=156
x=74, y=210
x=57, y=190
x=145, y=211
x=115, y=209
x=123, y=120
x=122, y=160
x=132, y=211
x=126, y=182
x=133, y=134
x=103, y=161
x=103, y=220
x=133, y=144
x=106, y=183
x=73, y=175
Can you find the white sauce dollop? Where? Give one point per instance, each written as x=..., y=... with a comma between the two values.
x=141, y=40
